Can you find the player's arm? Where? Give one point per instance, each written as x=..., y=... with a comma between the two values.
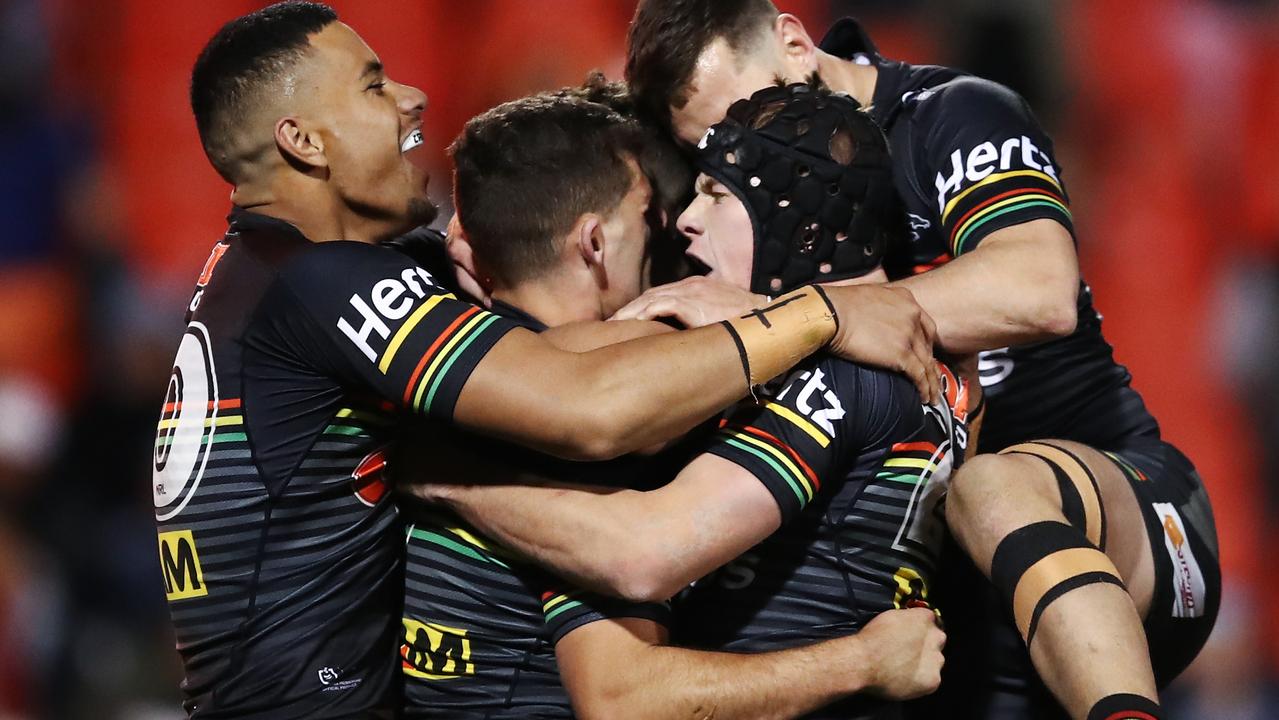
x=380, y=323
x=760, y=470
x=624, y=668
x=1019, y=286
x=621, y=398
x=643, y=546
x=988, y=169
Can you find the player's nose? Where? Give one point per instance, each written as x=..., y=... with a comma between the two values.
x=690, y=223
x=411, y=101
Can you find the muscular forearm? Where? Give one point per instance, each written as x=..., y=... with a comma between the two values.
x=1018, y=286
x=636, y=394
x=591, y=335
x=642, y=681
x=681, y=683
x=602, y=539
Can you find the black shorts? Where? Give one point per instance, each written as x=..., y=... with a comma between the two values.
x=1183, y=541
x=988, y=673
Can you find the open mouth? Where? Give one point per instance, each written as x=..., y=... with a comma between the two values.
x=413, y=140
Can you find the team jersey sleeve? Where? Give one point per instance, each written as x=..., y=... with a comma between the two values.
x=795, y=443
x=566, y=609
x=381, y=323
x=985, y=162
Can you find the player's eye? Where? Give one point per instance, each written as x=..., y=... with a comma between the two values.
x=377, y=87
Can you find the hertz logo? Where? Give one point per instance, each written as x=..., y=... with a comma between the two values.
x=435, y=652
x=180, y=563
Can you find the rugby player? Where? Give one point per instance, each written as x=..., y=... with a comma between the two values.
x=307, y=343
x=844, y=459
x=482, y=627
x=1086, y=534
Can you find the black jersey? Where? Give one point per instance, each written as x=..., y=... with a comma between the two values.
x=858, y=466
x=969, y=158
x=280, y=547
x=480, y=622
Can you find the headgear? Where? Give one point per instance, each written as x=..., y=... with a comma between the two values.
x=815, y=175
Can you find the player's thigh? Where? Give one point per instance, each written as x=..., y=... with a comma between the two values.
x=993, y=495
x=1124, y=536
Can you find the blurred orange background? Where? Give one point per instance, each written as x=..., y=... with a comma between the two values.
x=1163, y=112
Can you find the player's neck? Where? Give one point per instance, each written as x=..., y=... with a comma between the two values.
x=311, y=209
x=846, y=76
x=552, y=301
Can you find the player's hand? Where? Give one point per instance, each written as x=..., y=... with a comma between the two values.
x=884, y=327
x=903, y=653
x=694, y=301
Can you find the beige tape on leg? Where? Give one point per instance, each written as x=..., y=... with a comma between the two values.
x=1094, y=523
x=1050, y=577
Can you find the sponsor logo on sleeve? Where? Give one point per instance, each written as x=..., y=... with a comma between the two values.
x=814, y=401
x=389, y=300
x=985, y=160
x=1189, y=589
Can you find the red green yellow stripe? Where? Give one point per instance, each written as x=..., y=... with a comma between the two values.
x=985, y=213
x=784, y=461
x=992, y=179
x=434, y=348
x=450, y=354
x=385, y=364
x=555, y=604
x=799, y=421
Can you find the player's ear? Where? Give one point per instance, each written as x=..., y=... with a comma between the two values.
x=799, y=52
x=466, y=270
x=591, y=245
x=300, y=145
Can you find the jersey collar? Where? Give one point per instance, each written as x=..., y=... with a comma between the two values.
x=517, y=315
x=248, y=221
x=847, y=39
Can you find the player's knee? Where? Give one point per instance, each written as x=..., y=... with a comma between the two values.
x=984, y=484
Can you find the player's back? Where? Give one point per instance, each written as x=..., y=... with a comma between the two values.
x=281, y=548
x=481, y=622
x=865, y=463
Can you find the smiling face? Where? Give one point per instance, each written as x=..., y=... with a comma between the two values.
x=364, y=120
x=719, y=232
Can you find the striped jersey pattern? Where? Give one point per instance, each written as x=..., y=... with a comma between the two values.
x=279, y=545
x=970, y=160
x=857, y=465
x=481, y=623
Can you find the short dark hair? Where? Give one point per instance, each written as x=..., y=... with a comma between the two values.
x=668, y=169
x=239, y=60
x=667, y=37
x=526, y=170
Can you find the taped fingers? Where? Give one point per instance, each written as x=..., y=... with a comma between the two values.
x=1037, y=564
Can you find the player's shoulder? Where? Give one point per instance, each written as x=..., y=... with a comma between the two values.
x=341, y=268
x=867, y=388
x=965, y=98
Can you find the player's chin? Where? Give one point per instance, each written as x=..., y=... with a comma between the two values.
x=422, y=211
